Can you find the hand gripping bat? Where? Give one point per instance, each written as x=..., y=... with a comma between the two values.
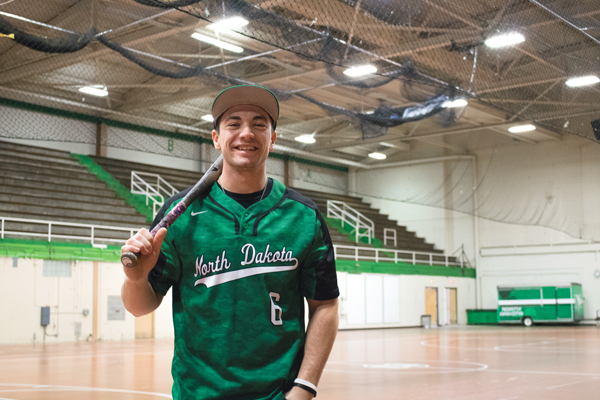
x=129, y=259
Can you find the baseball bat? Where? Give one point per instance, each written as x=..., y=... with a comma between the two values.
x=129, y=259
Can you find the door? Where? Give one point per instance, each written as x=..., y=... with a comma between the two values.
x=451, y=306
x=431, y=304
x=144, y=326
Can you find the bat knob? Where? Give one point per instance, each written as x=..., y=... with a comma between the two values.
x=129, y=260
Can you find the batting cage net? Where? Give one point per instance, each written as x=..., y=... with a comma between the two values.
x=456, y=80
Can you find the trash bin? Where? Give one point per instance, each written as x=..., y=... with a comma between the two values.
x=426, y=321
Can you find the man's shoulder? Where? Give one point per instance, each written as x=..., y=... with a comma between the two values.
x=294, y=195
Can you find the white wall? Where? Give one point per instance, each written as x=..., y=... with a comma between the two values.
x=366, y=301
x=558, y=263
x=422, y=197
x=382, y=300
x=543, y=195
x=24, y=290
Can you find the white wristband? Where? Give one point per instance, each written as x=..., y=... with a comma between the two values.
x=307, y=383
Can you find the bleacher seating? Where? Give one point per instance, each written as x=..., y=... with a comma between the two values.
x=121, y=170
x=405, y=239
x=43, y=184
x=39, y=183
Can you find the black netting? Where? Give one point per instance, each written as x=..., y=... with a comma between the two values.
x=157, y=77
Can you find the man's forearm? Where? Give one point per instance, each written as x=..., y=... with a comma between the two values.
x=139, y=298
x=320, y=335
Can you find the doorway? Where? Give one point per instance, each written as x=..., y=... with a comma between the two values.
x=144, y=326
x=431, y=304
x=450, y=306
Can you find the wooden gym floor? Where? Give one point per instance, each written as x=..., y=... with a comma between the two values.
x=451, y=363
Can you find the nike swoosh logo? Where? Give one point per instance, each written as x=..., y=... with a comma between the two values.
x=218, y=279
x=199, y=212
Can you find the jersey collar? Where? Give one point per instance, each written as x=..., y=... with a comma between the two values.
x=262, y=206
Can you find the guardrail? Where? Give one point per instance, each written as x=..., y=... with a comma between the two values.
x=92, y=238
x=363, y=226
x=155, y=191
x=387, y=255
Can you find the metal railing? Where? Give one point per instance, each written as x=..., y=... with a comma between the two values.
x=363, y=226
x=153, y=187
x=389, y=233
x=395, y=256
x=92, y=238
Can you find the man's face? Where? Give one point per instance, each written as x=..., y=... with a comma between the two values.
x=245, y=137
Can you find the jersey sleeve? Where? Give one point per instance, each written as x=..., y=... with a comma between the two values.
x=319, y=279
x=167, y=270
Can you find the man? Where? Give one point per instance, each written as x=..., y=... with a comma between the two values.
x=240, y=261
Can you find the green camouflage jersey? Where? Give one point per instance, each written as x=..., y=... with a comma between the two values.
x=239, y=277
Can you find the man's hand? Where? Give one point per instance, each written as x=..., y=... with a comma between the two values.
x=138, y=295
x=149, y=247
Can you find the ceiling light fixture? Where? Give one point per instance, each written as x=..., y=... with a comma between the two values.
x=377, y=156
x=582, y=81
x=455, y=103
x=508, y=39
x=521, y=128
x=360, y=70
x=229, y=24
x=95, y=90
x=207, y=117
x=305, y=139
x=217, y=42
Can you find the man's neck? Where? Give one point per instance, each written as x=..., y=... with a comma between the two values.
x=242, y=181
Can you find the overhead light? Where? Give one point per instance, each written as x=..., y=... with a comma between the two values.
x=360, y=70
x=521, y=128
x=582, y=81
x=378, y=156
x=508, y=39
x=305, y=139
x=207, y=117
x=217, y=42
x=455, y=103
x=229, y=23
x=96, y=90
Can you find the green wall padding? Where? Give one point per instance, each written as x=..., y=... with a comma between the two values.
x=402, y=268
x=137, y=201
x=44, y=250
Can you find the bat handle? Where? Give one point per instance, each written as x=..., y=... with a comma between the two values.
x=129, y=259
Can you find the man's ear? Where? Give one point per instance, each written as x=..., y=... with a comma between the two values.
x=273, y=138
x=215, y=138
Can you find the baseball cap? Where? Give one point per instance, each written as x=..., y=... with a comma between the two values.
x=246, y=94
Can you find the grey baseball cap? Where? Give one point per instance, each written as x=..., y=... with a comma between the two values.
x=246, y=94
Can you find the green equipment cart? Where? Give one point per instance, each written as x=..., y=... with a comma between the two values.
x=527, y=304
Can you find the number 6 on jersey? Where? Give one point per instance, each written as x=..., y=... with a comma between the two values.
x=275, y=320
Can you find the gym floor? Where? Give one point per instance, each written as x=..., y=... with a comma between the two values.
x=466, y=362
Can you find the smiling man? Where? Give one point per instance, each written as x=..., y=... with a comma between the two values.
x=240, y=263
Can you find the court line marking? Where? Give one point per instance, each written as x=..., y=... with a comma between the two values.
x=510, y=371
x=88, y=355
x=59, y=388
x=438, y=343
x=433, y=369
x=564, y=384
